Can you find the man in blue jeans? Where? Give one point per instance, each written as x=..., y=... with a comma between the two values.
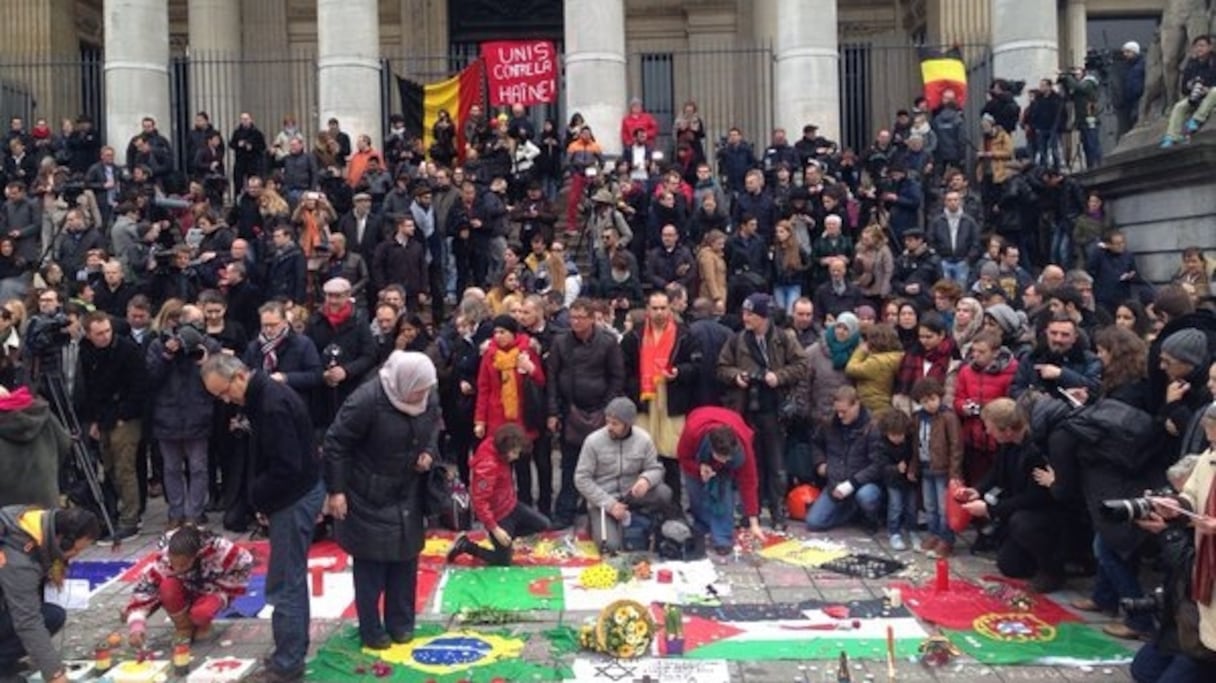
x=286, y=489
x=846, y=456
x=718, y=463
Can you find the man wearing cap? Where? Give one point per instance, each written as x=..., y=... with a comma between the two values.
x=916, y=269
x=1128, y=109
x=812, y=146
x=603, y=214
x=902, y=199
x=760, y=365
x=1185, y=360
x=619, y=472
x=343, y=338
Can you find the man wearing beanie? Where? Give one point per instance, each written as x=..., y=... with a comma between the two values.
x=1184, y=359
x=619, y=471
x=761, y=366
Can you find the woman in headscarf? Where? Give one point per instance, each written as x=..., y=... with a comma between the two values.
x=377, y=452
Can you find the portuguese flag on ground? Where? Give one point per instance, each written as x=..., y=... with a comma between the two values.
x=999, y=624
x=512, y=589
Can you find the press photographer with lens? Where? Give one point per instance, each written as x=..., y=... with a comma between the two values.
x=1188, y=598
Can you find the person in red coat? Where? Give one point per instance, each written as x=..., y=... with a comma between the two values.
x=719, y=466
x=985, y=376
x=492, y=491
x=509, y=364
x=635, y=119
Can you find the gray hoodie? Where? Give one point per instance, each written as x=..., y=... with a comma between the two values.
x=608, y=467
x=22, y=575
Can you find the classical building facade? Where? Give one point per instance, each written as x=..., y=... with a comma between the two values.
x=845, y=65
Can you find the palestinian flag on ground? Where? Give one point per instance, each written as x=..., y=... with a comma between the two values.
x=943, y=70
x=813, y=629
x=1002, y=625
x=434, y=654
x=420, y=104
x=513, y=589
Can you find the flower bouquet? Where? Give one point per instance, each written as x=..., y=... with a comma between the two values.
x=624, y=630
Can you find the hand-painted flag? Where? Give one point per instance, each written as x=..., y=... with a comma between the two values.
x=514, y=589
x=812, y=629
x=433, y=654
x=420, y=104
x=988, y=626
x=941, y=71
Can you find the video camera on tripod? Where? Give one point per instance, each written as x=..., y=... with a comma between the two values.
x=46, y=338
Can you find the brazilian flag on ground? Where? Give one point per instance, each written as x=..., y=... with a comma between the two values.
x=511, y=589
x=436, y=655
x=998, y=624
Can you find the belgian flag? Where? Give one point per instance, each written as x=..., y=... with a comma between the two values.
x=420, y=104
x=942, y=71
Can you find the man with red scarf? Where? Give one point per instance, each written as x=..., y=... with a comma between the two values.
x=343, y=339
x=719, y=465
x=661, y=362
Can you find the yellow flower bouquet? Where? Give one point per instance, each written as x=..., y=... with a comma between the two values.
x=624, y=629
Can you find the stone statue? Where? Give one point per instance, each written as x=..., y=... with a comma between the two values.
x=1181, y=22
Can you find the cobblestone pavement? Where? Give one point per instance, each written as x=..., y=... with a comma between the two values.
x=768, y=581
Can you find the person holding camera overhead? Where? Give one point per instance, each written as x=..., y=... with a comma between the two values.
x=181, y=414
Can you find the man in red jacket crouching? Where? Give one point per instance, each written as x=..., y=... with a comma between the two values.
x=719, y=467
x=492, y=490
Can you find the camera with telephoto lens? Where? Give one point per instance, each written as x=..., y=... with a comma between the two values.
x=1131, y=509
x=331, y=355
x=47, y=333
x=189, y=339
x=1151, y=604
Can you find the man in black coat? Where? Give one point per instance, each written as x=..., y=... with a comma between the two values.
x=670, y=261
x=286, y=357
x=344, y=340
x=916, y=270
x=285, y=487
x=248, y=145
x=364, y=228
x=287, y=270
x=588, y=371
x=115, y=394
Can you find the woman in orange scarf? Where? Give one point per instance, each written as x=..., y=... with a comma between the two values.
x=508, y=364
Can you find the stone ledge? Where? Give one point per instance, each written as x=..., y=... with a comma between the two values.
x=1149, y=167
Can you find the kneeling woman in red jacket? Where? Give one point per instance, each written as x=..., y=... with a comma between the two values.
x=719, y=467
x=493, y=497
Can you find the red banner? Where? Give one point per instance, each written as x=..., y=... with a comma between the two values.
x=521, y=71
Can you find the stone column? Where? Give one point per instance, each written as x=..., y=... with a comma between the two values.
x=1078, y=39
x=806, y=78
x=595, y=67
x=1025, y=40
x=348, y=65
x=269, y=67
x=215, y=61
x=136, y=69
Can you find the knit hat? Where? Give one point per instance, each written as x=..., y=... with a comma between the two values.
x=1132, y=47
x=866, y=311
x=1005, y=316
x=506, y=322
x=1188, y=346
x=758, y=304
x=990, y=270
x=850, y=321
x=621, y=408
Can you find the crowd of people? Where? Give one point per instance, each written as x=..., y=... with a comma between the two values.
x=668, y=342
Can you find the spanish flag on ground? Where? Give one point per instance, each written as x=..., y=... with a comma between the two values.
x=941, y=71
x=420, y=104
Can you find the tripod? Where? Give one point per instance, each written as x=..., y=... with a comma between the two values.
x=84, y=462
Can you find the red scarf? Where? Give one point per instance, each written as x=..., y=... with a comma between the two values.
x=655, y=358
x=336, y=318
x=18, y=399
x=1205, y=557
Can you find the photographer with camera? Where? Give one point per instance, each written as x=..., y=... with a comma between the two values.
x=181, y=414
x=115, y=391
x=1198, y=96
x=1081, y=86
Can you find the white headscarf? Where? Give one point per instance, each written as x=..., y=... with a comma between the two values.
x=404, y=373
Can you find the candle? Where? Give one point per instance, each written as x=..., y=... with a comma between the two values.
x=102, y=660
x=604, y=525
x=890, y=653
x=942, y=582
x=181, y=658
